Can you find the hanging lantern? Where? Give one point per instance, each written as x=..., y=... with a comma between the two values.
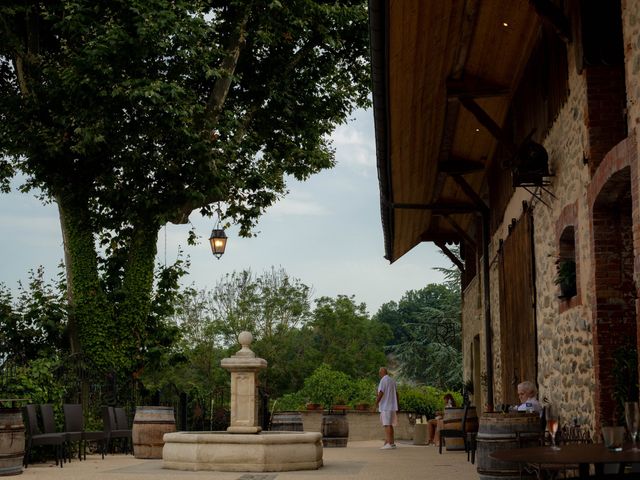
x=218, y=240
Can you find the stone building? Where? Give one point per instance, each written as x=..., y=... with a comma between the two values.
x=510, y=128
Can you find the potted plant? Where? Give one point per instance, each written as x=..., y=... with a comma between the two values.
x=340, y=404
x=566, y=278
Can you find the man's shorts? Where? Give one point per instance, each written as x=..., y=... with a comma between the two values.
x=389, y=417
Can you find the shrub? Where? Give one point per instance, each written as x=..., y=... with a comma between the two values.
x=327, y=386
x=289, y=402
x=424, y=400
x=364, y=391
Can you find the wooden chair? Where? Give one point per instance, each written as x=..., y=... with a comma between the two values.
x=456, y=432
x=35, y=437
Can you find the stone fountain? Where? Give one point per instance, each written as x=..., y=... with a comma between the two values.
x=243, y=447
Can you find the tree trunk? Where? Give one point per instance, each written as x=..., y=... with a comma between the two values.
x=137, y=287
x=90, y=313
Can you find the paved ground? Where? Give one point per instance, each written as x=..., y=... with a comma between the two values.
x=359, y=461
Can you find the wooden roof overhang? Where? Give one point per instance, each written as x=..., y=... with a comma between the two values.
x=443, y=76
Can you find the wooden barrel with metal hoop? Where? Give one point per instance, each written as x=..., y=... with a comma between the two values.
x=500, y=431
x=286, y=422
x=452, y=419
x=335, y=429
x=11, y=441
x=149, y=426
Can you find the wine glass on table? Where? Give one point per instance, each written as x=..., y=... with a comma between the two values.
x=552, y=424
x=632, y=416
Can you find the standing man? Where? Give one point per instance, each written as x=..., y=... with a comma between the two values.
x=387, y=404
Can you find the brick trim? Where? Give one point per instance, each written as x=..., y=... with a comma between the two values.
x=569, y=218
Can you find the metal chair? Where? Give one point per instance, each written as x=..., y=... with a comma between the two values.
x=35, y=437
x=566, y=435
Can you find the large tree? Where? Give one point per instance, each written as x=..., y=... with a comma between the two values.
x=133, y=113
x=427, y=339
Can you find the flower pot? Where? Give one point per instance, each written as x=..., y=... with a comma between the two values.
x=362, y=406
x=339, y=407
x=314, y=406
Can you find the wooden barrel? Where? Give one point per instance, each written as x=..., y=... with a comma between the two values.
x=452, y=419
x=500, y=431
x=335, y=429
x=286, y=422
x=11, y=441
x=149, y=426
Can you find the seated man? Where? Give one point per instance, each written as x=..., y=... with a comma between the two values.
x=528, y=402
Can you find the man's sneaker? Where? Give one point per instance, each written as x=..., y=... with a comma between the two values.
x=386, y=447
x=393, y=445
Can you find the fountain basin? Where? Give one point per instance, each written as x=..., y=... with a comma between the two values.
x=235, y=452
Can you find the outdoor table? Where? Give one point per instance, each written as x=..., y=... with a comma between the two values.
x=583, y=454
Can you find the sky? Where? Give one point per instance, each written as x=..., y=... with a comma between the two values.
x=326, y=232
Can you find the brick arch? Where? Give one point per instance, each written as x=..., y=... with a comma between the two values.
x=569, y=219
x=612, y=197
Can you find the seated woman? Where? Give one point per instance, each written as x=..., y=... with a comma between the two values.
x=435, y=424
x=528, y=402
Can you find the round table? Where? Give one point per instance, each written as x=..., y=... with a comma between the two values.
x=583, y=454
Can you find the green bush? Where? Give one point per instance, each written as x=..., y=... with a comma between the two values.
x=36, y=382
x=289, y=402
x=327, y=387
x=424, y=400
x=364, y=391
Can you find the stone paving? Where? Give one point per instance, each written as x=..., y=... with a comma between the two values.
x=359, y=461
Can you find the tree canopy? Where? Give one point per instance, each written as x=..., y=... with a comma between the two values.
x=427, y=340
x=134, y=113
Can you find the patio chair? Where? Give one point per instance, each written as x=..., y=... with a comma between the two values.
x=113, y=430
x=74, y=421
x=35, y=437
x=456, y=432
x=49, y=426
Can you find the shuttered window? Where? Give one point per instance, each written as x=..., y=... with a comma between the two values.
x=518, y=349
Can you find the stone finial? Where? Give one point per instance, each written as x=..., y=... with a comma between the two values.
x=245, y=339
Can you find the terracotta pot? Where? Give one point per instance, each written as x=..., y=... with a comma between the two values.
x=314, y=406
x=362, y=406
x=339, y=407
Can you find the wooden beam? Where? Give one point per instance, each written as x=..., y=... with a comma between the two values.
x=471, y=8
x=554, y=17
x=467, y=239
x=471, y=193
x=452, y=256
x=460, y=166
x=439, y=237
x=475, y=87
x=452, y=107
x=487, y=122
x=441, y=207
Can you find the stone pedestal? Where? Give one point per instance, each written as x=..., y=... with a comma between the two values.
x=244, y=367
